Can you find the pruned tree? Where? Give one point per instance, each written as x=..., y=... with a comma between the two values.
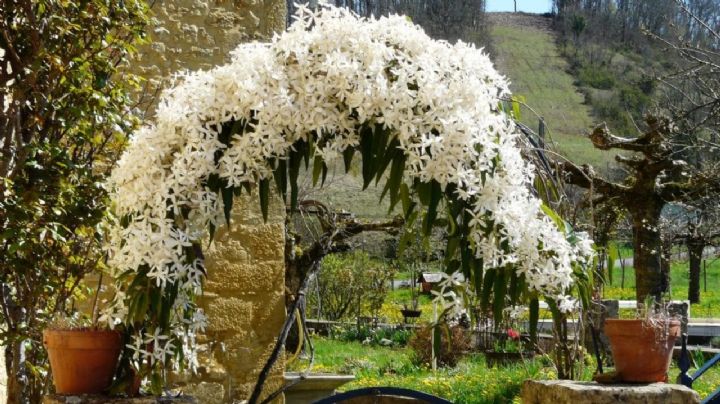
x=655, y=177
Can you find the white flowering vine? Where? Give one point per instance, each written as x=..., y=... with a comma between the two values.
x=424, y=110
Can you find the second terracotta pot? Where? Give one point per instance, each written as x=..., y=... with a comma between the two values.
x=82, y=361
x=642, y=352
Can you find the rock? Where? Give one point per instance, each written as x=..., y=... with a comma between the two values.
x=93, y=399
x=385, y=342
x=574, y=392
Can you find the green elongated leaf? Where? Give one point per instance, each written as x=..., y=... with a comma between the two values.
x=466, y=257
x=533, y=319
x=280, y=176
x=405, y=198
x=394, y=182
x=214, y=183
x=384, y=153
x=437, y=342
x=517, y=286
x=435, y=197
x=324, y=174
x=247, y=186
x=451, y=247
x=227, y=196
x=499, y=291
x=309, y=151
x=294, y=161
x=348, y=157
x=487, y=288
x=559, y=222
x=369, y=163
x=156, y=297
x=424, y=191
x=554, y=311
x=405, y=241
x=318, y=164
x=264, y=191
x=212, y=233
x=477, y=272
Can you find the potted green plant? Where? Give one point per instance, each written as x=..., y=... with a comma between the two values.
x=411, y=310
x=642, y=347
x=83, y=357
x=508, y=348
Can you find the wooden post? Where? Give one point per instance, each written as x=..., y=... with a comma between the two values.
x=622, y=265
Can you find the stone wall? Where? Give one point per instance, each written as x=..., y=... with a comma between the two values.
x=199, y=34
x=244, y=300
x=244, y=294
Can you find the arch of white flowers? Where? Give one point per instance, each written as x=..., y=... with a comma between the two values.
x=423, y=111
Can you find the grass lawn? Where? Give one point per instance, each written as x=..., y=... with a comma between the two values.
x=709, y=306
x=528, y=55
x=469, y=382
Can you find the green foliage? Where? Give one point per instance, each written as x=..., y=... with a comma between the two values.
x=350, y=285
x=450, y=346
x=596, y=77
x=470, y=381
x=64, y=127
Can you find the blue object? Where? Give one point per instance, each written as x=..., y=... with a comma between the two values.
x=383, y=391
x=687, y=380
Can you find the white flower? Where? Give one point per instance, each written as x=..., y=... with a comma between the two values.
x=328, y=75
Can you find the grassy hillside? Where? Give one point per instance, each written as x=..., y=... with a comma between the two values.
x=526, y=52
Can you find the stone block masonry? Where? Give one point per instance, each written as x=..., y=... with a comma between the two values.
x=244, y=292
x=245, y=302
x=574, y=392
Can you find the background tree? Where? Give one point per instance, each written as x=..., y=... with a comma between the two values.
x=66, y=108
x=655, y=177
x=441, y=19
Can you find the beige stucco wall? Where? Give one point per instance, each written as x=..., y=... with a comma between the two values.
x=244, y=293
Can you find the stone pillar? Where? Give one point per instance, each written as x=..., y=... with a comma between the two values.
x=199, y=34
x=575, y=392
x=245, y=302
x=244, y=292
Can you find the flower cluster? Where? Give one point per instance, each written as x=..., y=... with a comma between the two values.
x=319, y=82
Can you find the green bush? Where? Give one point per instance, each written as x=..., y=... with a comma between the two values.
x=596, y=77
x=350, y=285
x=451, y=351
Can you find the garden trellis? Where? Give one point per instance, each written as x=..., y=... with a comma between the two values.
x=423, y=115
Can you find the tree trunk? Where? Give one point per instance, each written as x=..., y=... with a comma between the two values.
x=695, y=250
x=16, y=377
x=650, y=278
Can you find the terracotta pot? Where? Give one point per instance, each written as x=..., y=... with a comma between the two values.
x=82, y=361
x=640, y=353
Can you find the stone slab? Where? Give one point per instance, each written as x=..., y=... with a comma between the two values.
x=95, y=399
x=575, y=392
